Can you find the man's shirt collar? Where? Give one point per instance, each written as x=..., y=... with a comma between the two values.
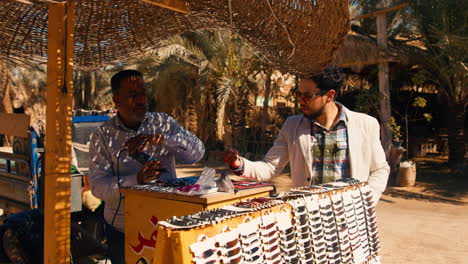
x=342, y=117
x=120, y=124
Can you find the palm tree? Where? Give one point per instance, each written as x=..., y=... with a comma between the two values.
x=442, y=25
x=5, y=104
x=397, y=20
x=92, y=89
x=223, y=64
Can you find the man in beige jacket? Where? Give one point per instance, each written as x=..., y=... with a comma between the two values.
x=325, y=143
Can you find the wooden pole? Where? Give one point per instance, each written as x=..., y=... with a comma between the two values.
x=58, y=133
x=381, y=11
x=384, y=83
x=180, y=6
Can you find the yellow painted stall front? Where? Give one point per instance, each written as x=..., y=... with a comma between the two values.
x=175, y=244
x=145, y=208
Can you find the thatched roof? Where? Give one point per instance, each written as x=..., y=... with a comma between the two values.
x=298, y=36
x=359, y=51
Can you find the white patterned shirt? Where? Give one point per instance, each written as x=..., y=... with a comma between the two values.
x=109, y=139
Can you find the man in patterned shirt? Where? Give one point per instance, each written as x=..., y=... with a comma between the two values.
x=161, y=138
x=325, y=143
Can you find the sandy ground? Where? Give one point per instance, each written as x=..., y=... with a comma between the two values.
x=416, y=226
x=421, y=231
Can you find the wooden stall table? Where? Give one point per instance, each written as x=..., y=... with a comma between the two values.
x=145, y=208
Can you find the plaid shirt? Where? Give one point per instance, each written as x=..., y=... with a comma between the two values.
x=330, y=154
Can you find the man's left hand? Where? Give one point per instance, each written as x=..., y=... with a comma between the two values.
x=150, y=171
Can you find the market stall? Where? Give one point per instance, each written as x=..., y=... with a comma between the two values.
x=145, y=206
x=332, y=223
x=289, y=34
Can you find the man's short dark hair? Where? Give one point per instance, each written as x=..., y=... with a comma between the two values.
x=330, y=79
x=118, y=77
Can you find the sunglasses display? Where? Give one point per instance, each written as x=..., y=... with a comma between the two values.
x=330, y=223
x=205, y=251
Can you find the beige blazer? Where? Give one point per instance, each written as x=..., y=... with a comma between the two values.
x=367, y=158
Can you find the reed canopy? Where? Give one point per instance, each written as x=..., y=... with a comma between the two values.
x=296, y=36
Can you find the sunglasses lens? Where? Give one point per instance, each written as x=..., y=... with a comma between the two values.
x=231, y=244
x=253, y=250
x=251, y=242
x=235, y=261
x=208, y=253
x=233, y=252
x=292, y=252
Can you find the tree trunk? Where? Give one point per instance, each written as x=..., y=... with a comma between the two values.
x=92, y=88
x=6, y=105
x=207, y=124
x=89, y=90
x=191, y=116
x=384, y=84
x=266, y=98
x=239, y=119
x=456, y=136
x=79, y=92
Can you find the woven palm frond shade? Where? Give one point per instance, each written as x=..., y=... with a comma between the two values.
x=297, y=36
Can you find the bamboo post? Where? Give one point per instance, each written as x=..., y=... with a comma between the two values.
x=58, y=133
x=384, y=71
x=180, y=6
x=384, y=83
x=381, y=11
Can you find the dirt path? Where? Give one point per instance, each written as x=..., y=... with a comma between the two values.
x=416, y=224
x=423, y=231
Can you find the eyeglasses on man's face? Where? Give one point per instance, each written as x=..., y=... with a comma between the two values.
x=307, y=96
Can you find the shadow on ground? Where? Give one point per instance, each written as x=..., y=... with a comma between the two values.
x=435, y=182
x=399, y=193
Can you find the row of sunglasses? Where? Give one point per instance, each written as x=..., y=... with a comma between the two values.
x=333, y=223
x=219, y=215
x=242, y=208
x=342, y=228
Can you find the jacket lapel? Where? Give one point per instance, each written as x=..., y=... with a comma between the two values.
x=303, y=134
x=354, y=141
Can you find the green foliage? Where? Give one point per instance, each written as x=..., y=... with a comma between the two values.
x=223, y=67
x=396, y=19
x=428, y=117
x=367, y=101
x=419, y=102
x=442, y=25
x=419, y=78
x=396, y=129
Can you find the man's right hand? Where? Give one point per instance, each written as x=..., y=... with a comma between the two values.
x=150, y=171
x=231, y=157
x=141, y=142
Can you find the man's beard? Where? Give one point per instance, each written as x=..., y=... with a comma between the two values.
x=316, y=114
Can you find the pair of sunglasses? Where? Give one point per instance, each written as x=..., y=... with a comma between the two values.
x=208, y=253
x=250, y=243
x=253, y=258
x=327, y=214
x=235, y=260
x=252, y=251
x=315, y=219
x=288, y=245
x=230, y=244
x=269, y=226
x=249, y=236
x=233, y=252
x=209, y=256
x=326, y=208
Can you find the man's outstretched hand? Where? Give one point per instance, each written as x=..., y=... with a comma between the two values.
x=150, y=171
x=231, y=158
x=141, y=142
